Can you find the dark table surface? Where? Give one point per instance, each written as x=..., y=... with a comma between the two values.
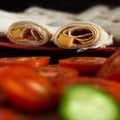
x=64, y=5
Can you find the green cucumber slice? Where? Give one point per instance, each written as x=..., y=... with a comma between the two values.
x=87, y=102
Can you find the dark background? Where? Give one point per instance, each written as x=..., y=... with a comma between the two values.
x=64, y=5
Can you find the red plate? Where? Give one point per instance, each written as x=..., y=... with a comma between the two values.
x=4, y=42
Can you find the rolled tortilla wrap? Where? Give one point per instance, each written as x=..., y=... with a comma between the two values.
x=114, y=29
x=113, y=15
x=47, y=12
x=92, y=12
x=49, y=16
x=102, y=22
x=9, y=18
x=81, y=35
x=28, y=33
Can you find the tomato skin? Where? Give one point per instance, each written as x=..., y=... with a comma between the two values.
x=25, y=89
x=110, y=86
x=34, y=61
x=7, y=114
x=111, y=68
x=85, y=65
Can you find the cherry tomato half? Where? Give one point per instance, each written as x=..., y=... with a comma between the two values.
x=111, y=68
x=85, y=65
x=2, y=96
x=25, y=89
x=112, y=87
x=34, y=61
x=58, y=74
x=7, y=114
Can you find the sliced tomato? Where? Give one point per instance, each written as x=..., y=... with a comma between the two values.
x=7, y=114
x=2, y=96
x=34, y=61
x=25, y=89
x=58, y=74
x=85, y=65
x=112, y=87
x=115, y=75
x=111, y=68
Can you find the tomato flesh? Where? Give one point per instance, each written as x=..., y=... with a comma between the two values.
x=58, y=75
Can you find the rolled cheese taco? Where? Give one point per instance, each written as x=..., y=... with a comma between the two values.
x=81, y=35
x=28, y=33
